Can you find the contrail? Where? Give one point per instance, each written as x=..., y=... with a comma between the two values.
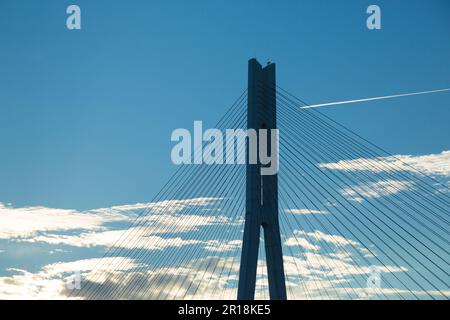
x=372, y=99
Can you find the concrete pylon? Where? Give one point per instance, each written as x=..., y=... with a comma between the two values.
x=261, y=192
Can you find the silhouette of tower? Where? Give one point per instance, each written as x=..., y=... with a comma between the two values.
x=261, y=191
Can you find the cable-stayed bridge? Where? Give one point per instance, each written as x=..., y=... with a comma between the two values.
x=350, y=220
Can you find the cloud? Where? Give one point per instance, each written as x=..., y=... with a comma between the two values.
x=199, y=277
x=43, y=224
x=109, y=239
x=165, y=224
x=163, y=206
x=330, y=238
x=305, y=211
x=222, y=246
x=434, y=164
x=182, y=222
x=28, y=221
x=203, y=277
x=107, y=264
x=51, y=281
x=301, y=242
x=311, y=275
x=377, y=189
x=57, y=250
x=312, y=241
x=141, y=239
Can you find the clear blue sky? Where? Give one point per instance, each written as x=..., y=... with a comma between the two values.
x=86, y=116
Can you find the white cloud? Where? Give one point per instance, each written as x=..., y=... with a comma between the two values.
x=305, y=211
x=109, y=239
x=104, y=275
x=435, y=164
x=57, y=250
x=37, y=223
x=50, y=282
x=181, y=222
x=301, y=242
x=163, y=206
x=27, y=221
x=221, y=246
x=141, y=239
x=310, y=270
x=376, y=189
x=100, y=264
x=311, y=241
x=331, y=238
x=309, y=276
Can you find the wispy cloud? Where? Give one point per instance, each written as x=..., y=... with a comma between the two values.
x=301, y=242
x=305, y=211
x=43, y=224
x=435, y=164
x=378, y=189
x=163, y=206
x=313, y=241
x=28, y=221
x=109, y=238
x=222, y=246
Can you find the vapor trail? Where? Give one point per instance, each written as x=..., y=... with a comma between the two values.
x=372, y=99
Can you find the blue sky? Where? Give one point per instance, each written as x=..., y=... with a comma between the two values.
x=86, y=115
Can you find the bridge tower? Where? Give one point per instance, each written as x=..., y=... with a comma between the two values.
x=261, y=191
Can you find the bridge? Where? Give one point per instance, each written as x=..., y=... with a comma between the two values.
x=341, y=219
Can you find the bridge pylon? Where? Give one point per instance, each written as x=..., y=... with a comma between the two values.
x=261, y=191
